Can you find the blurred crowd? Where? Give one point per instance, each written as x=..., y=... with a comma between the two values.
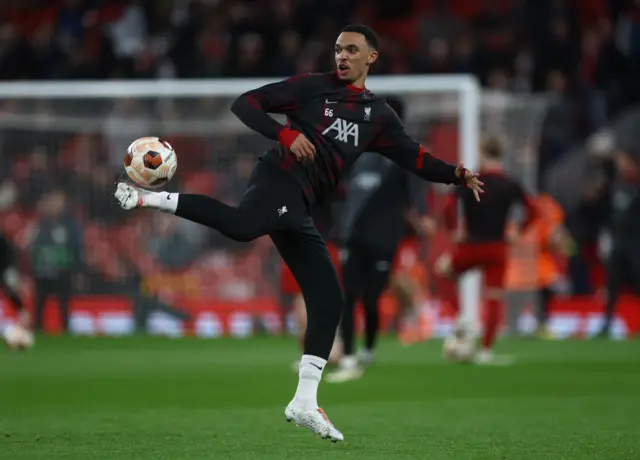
x=522, y=45
x=586, y=53
x=513, y=44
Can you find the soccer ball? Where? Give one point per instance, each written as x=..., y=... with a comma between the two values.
x=458, y=350
x=460, y=346
x=150, y=162
x=17, y=337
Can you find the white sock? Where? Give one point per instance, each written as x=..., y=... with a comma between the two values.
x=163, y=201
x=309, y=374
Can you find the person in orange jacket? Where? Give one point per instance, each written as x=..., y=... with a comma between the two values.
x=536, y=258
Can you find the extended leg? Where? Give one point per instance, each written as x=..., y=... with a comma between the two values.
x=271, y=197
x=239, y=224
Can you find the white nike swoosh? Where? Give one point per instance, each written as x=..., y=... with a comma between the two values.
x=327, y=101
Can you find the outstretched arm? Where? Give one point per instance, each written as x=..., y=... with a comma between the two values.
x=394, y=143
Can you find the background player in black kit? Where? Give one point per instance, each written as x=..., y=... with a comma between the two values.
x=482, y=239
x=331, y=119
x=379, y=196
x=623, y=265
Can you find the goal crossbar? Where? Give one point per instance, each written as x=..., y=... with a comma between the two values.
x=111, y=89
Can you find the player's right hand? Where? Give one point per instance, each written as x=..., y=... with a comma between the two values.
x=304, y=150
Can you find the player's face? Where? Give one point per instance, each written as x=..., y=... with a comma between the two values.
x=353, y=56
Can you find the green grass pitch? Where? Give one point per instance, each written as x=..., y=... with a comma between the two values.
x=152, y=398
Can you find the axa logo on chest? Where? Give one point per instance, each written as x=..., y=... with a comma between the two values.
x=345, y=130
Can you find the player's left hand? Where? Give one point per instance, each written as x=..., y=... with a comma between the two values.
x=471, y=181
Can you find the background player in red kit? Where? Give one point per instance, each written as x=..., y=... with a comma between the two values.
x=481, y=241
x=332, y=118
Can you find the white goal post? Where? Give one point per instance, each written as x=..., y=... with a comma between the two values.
x=465, y=105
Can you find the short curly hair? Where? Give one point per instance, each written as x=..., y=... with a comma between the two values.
x=370, y=36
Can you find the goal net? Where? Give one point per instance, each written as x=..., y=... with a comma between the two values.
x=71, y=137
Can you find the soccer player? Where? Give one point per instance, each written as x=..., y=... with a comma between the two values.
x=331, y=119
x=379, y=197
x=623, y=266
x=482, y=242
x=9, y=280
